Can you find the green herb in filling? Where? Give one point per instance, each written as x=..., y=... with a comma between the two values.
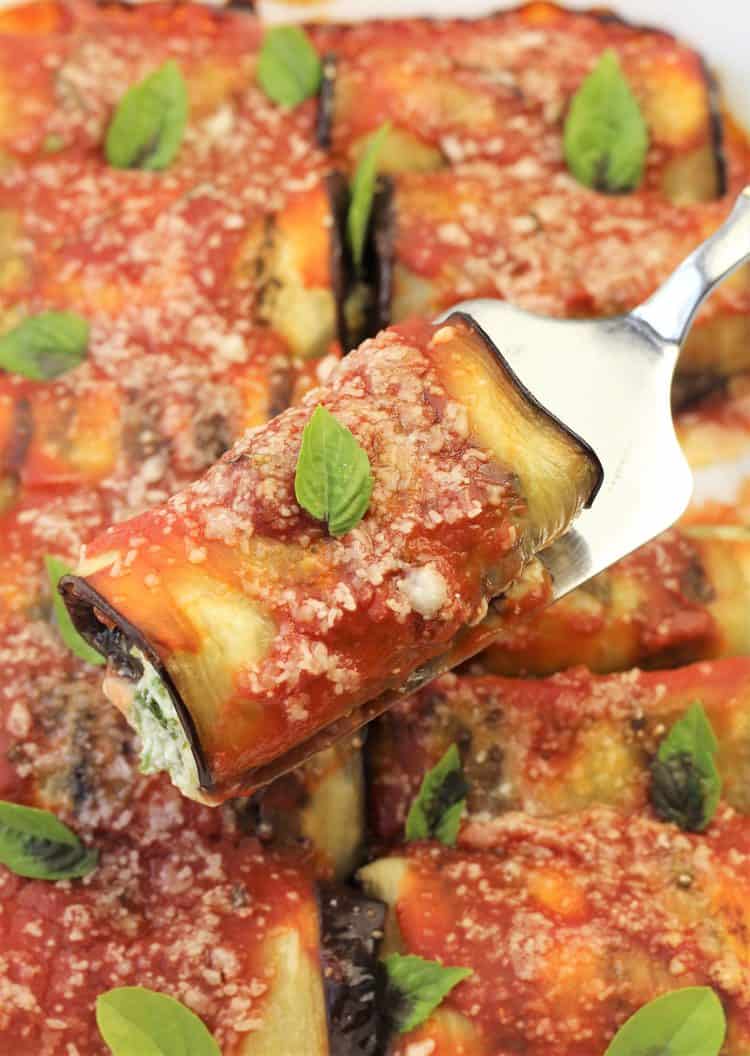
x=164, y=743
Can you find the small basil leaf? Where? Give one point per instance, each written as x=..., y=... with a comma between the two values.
x=416, y=987
x=687, y=1022
x=44, y=346
x=56, y=569
x=685, y=783
x=289, y=67
x=35, y=844
x=437, y=810
x=363, y=192
x=148, y=125
x=333, y=481
x=135, y=1021
x=605, y=137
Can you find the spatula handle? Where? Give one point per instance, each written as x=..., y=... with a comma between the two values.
x=671, y=309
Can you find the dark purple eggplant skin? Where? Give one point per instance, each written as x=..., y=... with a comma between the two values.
x=326, y=100
x=353, y=977
x=380, y=253
x=717, y=130
x=341, y=264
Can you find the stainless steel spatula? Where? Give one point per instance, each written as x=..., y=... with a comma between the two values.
x=609, y=381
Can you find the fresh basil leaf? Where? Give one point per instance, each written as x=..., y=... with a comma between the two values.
x=605, y=137
x=363, y=192
x=44, y=346
x=437, y=810
x=289, y=67
x=333, y=481
x=135, y=1021
x=416, y=987
x=35, y=844
x=147, y=127
x=687, y=1022
x=56, y=569
x=685, y=783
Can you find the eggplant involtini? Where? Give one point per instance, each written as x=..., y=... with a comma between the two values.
x=241, y=635
x=569, y=926
x=555, y=745
x=680, y=598
x=237, y=932
x=199, y=217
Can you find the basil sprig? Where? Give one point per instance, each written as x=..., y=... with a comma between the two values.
x=436, y=812
x=687, y=1022
x=135, y=1021
x=148, y=125
x=56, y=569
x=416, y=987
x=289, y=68
x=363, y=193
x=333, y=480
x=45, y=346
x=605, y=137
x=685, y=783
x=33, y=843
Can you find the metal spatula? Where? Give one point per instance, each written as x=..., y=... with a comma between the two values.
x=609, y=381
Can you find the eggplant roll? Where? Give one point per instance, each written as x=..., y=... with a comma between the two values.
x=273, y=965
x=319, y=805
x=716, y=429
x=297, y=259
x=555, y=745
x=463, y=91
x=680, y=598
x=551, y=246
x=242, y=637
x=570, y=926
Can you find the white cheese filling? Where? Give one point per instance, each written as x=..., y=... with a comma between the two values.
x=425, y=590
x=164, y=745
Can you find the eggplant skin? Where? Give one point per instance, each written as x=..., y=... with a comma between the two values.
x=381, y=253
x=341, y=264
x=326, y=101
x=353, y=977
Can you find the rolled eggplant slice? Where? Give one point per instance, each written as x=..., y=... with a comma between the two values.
x=464, y=91
x=556, y=745
x=242, y=637
x=230, y=929
x=565, y=252
x=570, y=926
x=319, y=805
x=717, y=428
x=298, y=260
x=680, y=598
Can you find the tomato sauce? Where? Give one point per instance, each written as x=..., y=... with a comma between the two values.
x=570, y=926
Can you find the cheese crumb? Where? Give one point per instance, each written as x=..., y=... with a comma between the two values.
x=425, y=589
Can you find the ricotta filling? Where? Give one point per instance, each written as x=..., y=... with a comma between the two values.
x=425, y=590
x=164, y=745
